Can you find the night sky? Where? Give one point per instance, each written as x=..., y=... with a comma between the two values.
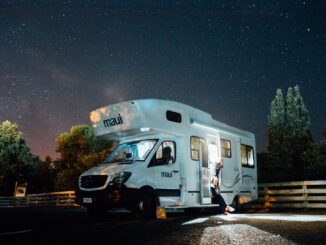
x=59, y=60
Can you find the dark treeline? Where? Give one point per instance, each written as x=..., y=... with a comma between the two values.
x=292, y=153
x=79, y=150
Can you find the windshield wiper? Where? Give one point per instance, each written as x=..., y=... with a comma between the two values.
x=126, y=162
x=120, y=161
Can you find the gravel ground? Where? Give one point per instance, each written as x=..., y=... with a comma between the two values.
x=299, y=232
x=40, y=226
x=240, y=234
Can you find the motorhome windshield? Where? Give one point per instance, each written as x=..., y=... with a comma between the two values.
x=131, y=151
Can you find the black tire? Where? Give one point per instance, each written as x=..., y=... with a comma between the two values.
x=97, y=211
x=192, y=211
x=146, y=205
x=236, y=204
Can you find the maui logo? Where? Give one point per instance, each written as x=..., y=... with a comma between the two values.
x=166, y=174
x=113, y=121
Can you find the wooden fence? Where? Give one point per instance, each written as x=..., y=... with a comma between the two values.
x=297, y=194
x=53, y=199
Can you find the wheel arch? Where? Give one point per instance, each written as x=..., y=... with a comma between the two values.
x=151, y=191
x=237, y=202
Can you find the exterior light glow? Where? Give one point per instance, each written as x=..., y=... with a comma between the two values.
x=144, y=129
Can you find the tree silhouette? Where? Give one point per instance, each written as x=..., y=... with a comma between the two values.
x=15, y=158
x=289, y=135
x=79, y=150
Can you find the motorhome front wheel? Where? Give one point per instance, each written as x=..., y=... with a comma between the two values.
x=146, y=205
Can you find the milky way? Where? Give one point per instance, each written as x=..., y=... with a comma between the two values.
x=59, y=60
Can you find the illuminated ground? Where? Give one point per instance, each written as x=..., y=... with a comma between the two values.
x=44, y=226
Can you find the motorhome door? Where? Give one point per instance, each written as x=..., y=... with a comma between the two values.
x=167, y=170
x=204, y=175
x=230, y=173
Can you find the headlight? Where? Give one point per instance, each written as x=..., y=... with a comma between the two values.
x=120, y=178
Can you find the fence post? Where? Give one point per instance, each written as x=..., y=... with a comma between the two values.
x=305, y=195
x=266, y=198
x=70, y=199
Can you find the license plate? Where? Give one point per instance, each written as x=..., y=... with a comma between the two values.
x=87, y=200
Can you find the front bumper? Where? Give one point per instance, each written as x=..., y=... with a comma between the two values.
x=111, y=197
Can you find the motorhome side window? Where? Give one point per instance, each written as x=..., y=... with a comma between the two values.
x=173, y=116
x=247, y=156
x=194, y=147
x=226, y=148
x=165, y=154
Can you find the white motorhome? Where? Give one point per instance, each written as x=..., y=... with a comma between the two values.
x=138, y=176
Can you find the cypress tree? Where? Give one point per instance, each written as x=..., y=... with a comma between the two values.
x=290, y=115
x=289, y=135
x=276, y=121
x=301, y=142
x=297, y=115
x=276, y=130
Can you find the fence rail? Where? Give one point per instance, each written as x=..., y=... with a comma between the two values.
x=53, y=199
x=296, y=194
